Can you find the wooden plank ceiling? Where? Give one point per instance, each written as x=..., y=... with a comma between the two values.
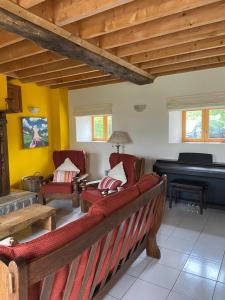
x=139, y=39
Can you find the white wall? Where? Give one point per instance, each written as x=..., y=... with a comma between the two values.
x=149, y=129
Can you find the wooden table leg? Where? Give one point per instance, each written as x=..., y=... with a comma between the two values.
x=49, y=223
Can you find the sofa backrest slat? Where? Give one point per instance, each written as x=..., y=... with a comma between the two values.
x=47, y=287
x=50, y=263
x=101, y=261
x=70, y=279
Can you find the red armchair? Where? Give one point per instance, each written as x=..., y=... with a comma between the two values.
x=61, y=190
x=133, y=167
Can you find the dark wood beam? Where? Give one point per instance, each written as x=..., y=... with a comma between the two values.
x=49, y=36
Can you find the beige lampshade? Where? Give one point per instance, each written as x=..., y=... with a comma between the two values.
x=120, y=138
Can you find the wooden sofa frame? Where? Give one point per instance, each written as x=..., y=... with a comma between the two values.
x=17, y=276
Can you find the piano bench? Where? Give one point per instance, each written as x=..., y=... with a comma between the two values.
x=199, y=188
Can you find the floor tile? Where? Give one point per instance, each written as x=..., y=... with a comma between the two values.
x=142, y=290
x=219, y=293
x=195, y=286
x=178, y=244
x=173, y=258
x=202, y=267
x=166, y=229
x=138, y=266
x=161, y=239
x=186, y=234
x=179, y=296
x=159, y=274
x=208, y=250
x=221, y=277
x=122, y=286
x=108, y=297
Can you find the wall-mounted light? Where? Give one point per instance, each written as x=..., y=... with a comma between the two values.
x=33, y=110
x=140, y=107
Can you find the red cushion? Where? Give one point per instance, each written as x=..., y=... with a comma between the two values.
x=113, y=202
x=77, y=158
x=57, y=187
x=91, y=195
x=147, y=181
x=109, y=183
x=128, y=164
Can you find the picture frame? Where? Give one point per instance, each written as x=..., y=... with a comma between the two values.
x=34, y=132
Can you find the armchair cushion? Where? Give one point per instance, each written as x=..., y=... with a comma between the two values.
x=117, y=172
x=77, y=158
x=128, y=165
x=109, y=183
x=64, y=176
x=57, y=187
x=113, y=202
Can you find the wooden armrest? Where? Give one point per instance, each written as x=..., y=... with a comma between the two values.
x=82, y=177
x=94, y=182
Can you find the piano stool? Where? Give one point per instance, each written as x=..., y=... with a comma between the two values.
x=199, y=188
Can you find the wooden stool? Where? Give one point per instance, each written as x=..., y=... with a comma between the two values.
x=199, y=188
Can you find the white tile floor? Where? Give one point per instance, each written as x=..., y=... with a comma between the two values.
x=192, y=266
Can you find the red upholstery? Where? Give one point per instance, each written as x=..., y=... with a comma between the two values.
x=147, y=181
x=92, y=195
x=77, y=157
x=57, y=187
x=128, y=164
x=111, y=203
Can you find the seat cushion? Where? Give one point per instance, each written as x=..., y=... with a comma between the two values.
x=111, y=203
x=57, y=187
x=147, y=181
x=91, y=196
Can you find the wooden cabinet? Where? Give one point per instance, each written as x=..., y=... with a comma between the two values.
x=4, y=163
x=14, y=99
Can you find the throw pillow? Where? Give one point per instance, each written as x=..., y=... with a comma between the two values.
x=64, y=176
x=68, y=166
x=108, y=183
x=118, y=173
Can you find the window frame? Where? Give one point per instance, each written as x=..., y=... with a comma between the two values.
x=105, y=125
x=205, y=127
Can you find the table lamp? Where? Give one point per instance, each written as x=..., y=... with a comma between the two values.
x=119, y=138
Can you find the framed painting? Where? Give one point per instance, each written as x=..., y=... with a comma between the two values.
x=34, y=132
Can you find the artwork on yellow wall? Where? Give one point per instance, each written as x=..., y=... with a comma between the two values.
x=35, y=132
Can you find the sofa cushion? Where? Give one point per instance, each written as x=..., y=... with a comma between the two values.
x=111, y=203
x=147, y=181
x=57, y=187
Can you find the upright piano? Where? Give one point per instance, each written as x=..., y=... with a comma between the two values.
x=199, y=167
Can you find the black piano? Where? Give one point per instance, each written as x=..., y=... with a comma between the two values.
x=196, y=167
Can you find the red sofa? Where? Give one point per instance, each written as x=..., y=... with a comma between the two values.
x=85, y=258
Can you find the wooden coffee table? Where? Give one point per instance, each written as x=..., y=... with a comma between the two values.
x=18, y=220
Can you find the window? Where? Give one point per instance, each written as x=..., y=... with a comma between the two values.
x=101, y=127
x=204, y=125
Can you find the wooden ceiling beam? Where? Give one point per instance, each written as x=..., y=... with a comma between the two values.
x=95, y=84
x=47, y=35
x=175, y=23
x=183, y=58
x=29, y=3
x=132, y=14
x=30, y=62
x=178, y=50
x=67, y=80
x=68, y=11
x=190, y=64
x=59, y=74
x=173, y=39
x=59, y=65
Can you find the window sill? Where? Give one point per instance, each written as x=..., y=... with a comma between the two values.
x=214, y=143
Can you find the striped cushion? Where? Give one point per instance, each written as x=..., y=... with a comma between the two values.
x=64, y=176
x=108, y=183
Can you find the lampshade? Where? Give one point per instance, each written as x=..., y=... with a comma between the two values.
x=120, y=137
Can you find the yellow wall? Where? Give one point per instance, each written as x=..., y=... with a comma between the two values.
x=53, y=105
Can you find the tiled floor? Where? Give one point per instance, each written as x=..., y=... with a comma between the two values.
x=192, y=266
